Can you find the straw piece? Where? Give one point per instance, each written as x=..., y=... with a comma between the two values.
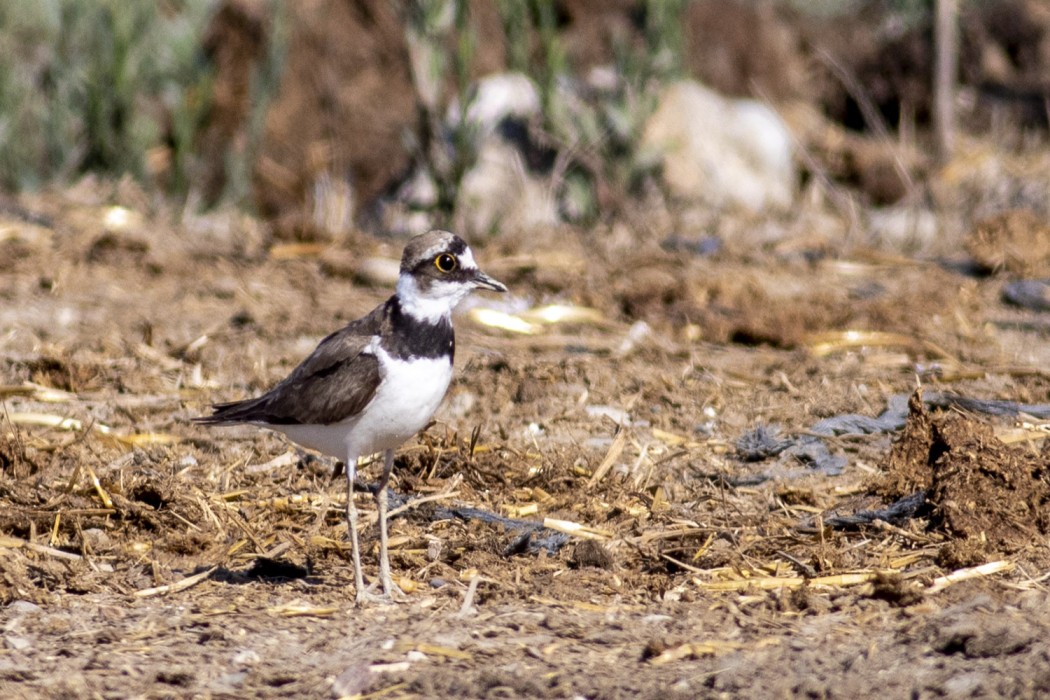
x=675, y=440
x=500, y=320
x=1026, y=432
x=58, y=422
x=518, y=511
x=434, y=650
x=695, y=650
x=181, y=585
x=301, y=609
x=45, y=420
x=468, y=598
x=580, y=605
x=647, y=537
x=416, y=502
x=993, y=567
x=562, y=313
x=285, y=460
x=576, y=529
x=615, y=449
x=766, y=583
x=139, y=439
x=18, y=543
x=106, y=500
x=36, y=392
x=828, y=342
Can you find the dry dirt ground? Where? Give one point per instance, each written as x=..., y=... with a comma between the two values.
x=141, y=556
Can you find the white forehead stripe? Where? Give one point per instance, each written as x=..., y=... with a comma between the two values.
x=433, y=250
x=467, y=260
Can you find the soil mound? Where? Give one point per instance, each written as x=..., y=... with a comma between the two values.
x=984, y=495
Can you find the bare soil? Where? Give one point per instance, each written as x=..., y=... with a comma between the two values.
x=135, y=325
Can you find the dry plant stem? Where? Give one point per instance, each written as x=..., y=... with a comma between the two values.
x=682, y=564
x=319, y=520
x=15, y=542
x=416, y=502
x=946, y=42
x=468, y=598
x=177, y=586
x=840, y=198
x=872, y=116
x=993, y=567
x=615, y=449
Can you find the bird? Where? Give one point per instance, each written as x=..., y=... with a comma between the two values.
x=376, y=382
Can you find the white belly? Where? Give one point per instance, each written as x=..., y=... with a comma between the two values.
x=404, y=403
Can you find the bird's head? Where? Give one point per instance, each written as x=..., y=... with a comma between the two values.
x=437, y=271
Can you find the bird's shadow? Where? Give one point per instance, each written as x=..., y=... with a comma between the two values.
x=276, y=571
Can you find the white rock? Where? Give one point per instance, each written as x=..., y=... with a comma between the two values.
x=616, y=415
x=498, y=189
x=903, y=228
x=246, y=657
x=17, y=642
x=722, y=152
x=496, y=97
x=22, y=607
x=459, y=404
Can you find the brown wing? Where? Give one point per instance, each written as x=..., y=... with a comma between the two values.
x=335, y=382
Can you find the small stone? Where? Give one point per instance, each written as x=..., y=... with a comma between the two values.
x=17, y=643
x=246, y=657
x=228, y=682
x=23, y=607
x=966, y=685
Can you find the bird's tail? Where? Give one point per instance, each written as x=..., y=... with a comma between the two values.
x=234, y=412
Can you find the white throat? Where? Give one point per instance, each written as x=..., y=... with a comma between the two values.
x=434, y=306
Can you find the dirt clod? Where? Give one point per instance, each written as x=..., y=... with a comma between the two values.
x=591, y=553
x=983, y=493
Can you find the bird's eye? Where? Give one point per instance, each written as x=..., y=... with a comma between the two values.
x=446, y=262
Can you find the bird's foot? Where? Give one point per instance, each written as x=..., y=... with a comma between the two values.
x=391, y=594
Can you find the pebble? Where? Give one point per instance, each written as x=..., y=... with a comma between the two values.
x=616, y=415
x=966, y=685
x=228, y=682
x=246, y=657
x=17, y=642
x=23, y=607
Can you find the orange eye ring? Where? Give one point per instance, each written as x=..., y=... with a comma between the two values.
x=446, y=262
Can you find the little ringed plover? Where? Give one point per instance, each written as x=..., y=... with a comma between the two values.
x=374, y=384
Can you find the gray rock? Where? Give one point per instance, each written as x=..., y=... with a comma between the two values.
x=17, y=642
x=721, y=152
x=498, y=189
x=22, y=607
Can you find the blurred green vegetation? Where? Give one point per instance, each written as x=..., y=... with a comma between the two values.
x=123, y=87
x=593, y=132
x=94, y=85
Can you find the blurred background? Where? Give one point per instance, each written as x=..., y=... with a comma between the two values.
x=737, y=235
x=698, y=118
